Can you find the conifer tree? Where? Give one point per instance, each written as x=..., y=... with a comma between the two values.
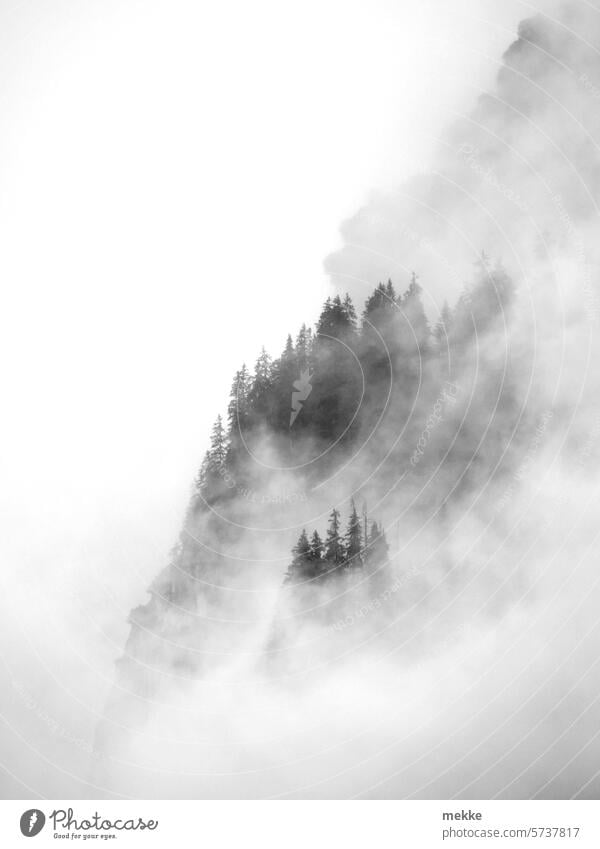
x=317, y=550
x=377, y=550
x=209, y=483
x=300, y=566
x=337, y=387
x=259, y=396
x=382, y=302
x=304, y=347
x=492, y=293
x=376, y=301
x=218, y=447
x=200, y=481
x=412, y=306
x=283, y=374
x=349, y=312
x=335, y=553
x=383, y=349
x=487, y=300
x=288, y=351
x=199, y=493
x=442, y=329
x=238, y=411
x=262, y=372
x=354, y=538
x=377, y=559
x=335, y=319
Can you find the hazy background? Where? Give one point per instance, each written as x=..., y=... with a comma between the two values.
x=171, y=177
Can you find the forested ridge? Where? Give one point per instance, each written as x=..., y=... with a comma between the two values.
x=350, y=412
x=390, y=514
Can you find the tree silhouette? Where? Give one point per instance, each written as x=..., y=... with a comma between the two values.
x=335, y=553
x=304, y=343
x=354, y=539
x=301, y=565
x=259, y=396
x=317, y=553
x=238, y=410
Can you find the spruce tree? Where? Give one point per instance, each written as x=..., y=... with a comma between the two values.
x=384, y=339
x=381, y=304
x=412, y=306
x=209, y=483
x=304, y=347
x=335, y=553
x=377, y=560
x=199, y=493
x=377, y=550
x=354, y=539
x=390, y=292
x=218, y=447
x=283, y=374
x=238, y=411
x=337, y=386
x=200, y=481
x=259, y=396
x=349, y=312
x=300, y=566
x=317, y=551
x=336, y=318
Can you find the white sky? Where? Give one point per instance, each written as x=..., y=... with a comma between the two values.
x=171, y=176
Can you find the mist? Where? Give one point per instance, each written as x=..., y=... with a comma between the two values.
x=478, y=679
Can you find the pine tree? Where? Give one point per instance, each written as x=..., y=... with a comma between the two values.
x=335, y=553
x=354, y=539
x=300, y=566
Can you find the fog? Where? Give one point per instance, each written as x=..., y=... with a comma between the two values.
x=483, y=682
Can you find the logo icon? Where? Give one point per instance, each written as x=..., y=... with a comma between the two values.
x=303, y=389
x=32, y=822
